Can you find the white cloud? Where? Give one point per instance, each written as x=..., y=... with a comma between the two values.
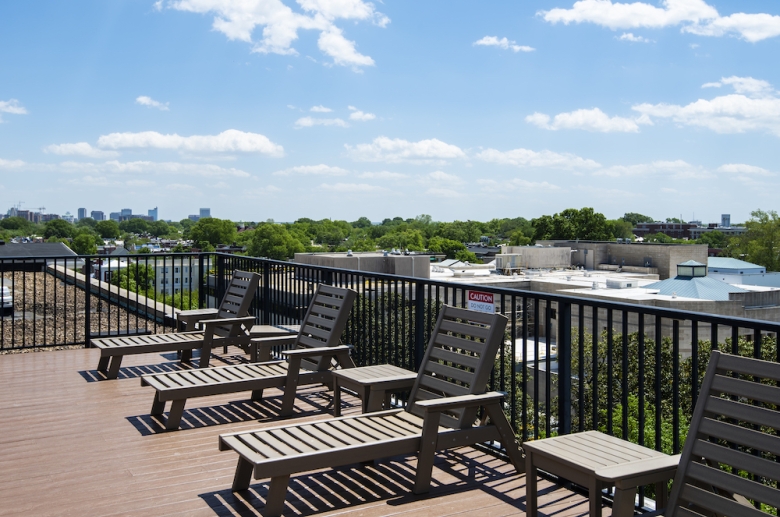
x=628, y=36
x=143, y=100
x=311, y=122
x=587, y=119
x=383, y=175
x=11, y=106
x=350, y=187
x=514, y=184
x=79, y=149
x=441, y=176
x=711, y=85
x=528, y=158
x=695, y=16
x=504, y=43
x=743, y=168
x=677, y=169
x=280, y=24
x=320, y=169
x=361, y=116
x=231, y=140
x=150, y=167
x=755, y=106
x=11, y=164
x=443, y=192
x=320, y=109
x=394, y=150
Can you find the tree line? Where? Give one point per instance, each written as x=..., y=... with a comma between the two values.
x=760, y=244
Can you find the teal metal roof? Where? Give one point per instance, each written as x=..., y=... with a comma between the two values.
x=731, y=263
x=702, y=288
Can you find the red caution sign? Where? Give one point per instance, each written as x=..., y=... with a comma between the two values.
x=481, y=302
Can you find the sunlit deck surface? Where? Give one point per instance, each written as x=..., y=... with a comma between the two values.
x=75, y=445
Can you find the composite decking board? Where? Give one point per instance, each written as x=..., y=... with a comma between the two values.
x=78, y=453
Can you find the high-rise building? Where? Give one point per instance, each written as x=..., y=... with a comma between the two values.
x=205, y=212
x=153, y=213
x=126, y=212
x=725, y=220
x=114, y=216
x=97, y=215
x=193, y=217
x=82, y=213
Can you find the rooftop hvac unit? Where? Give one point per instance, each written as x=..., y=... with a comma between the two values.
x=620, y=283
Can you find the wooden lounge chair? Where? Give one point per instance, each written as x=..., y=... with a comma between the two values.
x=441, y=414
x=230, y=327
x=316, y=346
x=729, y=462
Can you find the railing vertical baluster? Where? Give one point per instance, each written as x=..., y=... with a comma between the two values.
x=419, y=324
x=581, y=366
x=536, y=368
x=610, y=372
x=694, y=362
x=624, y=376
x=658, y=367
x=524, y=401
x=595, y=369
x=87, y=302
x=676, y=386
x=564, y=368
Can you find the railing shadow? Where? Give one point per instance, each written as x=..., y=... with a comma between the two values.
x=390, y=480
x=264, y=411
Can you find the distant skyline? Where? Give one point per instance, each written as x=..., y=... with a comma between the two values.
x=282, y=109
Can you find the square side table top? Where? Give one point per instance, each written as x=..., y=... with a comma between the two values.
x=383, y=376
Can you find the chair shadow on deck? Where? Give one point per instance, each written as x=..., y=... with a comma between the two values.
x=390, y=480
x=264, y=411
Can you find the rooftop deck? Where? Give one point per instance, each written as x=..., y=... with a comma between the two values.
x=76, y=445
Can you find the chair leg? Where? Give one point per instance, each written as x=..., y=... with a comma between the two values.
x=623, y=503
x=661, y=495
x=103, y=363
x=257, y=395
x=205, y=355
x=113, y=369
x=243, y=476
x=174, y=417
x=158, y=406
x=499, y=420
x=422, y=481
x=290, y=387
x=277, y=492
x=594, y=494
x=530, y=486
x=186, y=356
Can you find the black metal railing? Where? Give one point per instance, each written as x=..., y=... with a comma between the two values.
x=568, y=364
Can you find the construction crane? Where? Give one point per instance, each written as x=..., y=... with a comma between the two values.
x=42, y=209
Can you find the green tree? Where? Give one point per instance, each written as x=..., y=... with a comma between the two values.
x=713, y=239
x=273, y=241
x=214, y=231
x=107, y=229
x=15, y=223
x=84, y=244
x=467, y=256
x=135, y=277
x=159, y=228
x=407, y=239
x=137, y=226
x=446, y=246
x=635, y=218
x=87, y=221
x=761, y=242
x=519, y=238
x=58, y=228
x=620, y=228
x=363, y=222
x=675, y=220
x=570, y=224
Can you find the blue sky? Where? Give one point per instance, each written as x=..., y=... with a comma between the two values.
x=281, y=109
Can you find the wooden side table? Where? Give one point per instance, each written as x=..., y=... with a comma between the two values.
x=259, y=353
x=596, y=460
x=373, y=384
x=186, y=321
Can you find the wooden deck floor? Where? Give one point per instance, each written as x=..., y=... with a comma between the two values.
x=74, y=445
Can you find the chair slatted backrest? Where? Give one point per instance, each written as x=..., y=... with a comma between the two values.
x=237, y=299
x=731, y=457
x=458, y=360
x=324, y=322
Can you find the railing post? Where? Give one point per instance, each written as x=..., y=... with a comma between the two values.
x=564, y=368
x=266, y=293
x=419, y=324
x=202, y=274
x=87, y=308
x=220, y=284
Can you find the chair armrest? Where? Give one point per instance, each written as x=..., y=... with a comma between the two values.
x=461, y=401
x=202, y=314
x=316, y=352
x=246, y=320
